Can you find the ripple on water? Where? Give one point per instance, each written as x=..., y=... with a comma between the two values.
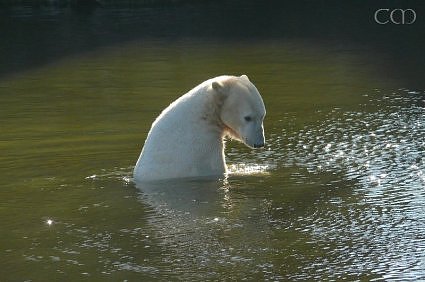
x=383, y=153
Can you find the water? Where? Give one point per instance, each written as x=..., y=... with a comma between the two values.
x=336, y=194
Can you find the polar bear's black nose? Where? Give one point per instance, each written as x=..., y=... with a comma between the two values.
x=259, y=145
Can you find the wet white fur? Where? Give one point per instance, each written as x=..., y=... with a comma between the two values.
x=186, y=139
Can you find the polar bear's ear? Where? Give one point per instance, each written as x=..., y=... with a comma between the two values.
x=220, y=91
x=217, y=86
x=244, y=77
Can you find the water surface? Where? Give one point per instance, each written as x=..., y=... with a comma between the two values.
x=336, y=194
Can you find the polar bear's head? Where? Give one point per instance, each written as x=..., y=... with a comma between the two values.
x=241, y=109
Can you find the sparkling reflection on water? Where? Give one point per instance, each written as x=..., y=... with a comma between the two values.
x=382, y=231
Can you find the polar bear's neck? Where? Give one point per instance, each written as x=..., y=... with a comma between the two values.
x=203, y=118
x=188, y=134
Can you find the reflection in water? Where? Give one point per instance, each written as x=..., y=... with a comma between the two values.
x=209, y=229
x=195, y=197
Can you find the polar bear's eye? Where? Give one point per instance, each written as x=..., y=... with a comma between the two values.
x=248, y=118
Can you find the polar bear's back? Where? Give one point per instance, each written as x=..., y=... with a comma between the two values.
x=172, y=150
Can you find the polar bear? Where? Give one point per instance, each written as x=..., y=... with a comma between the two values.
x=187, y=138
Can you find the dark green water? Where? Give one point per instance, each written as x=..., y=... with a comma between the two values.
x=337, y=194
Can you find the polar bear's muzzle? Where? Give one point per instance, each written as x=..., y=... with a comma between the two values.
x=257, y=140
x=259, y=143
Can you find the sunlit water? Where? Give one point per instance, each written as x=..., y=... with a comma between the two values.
x=338, y=193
